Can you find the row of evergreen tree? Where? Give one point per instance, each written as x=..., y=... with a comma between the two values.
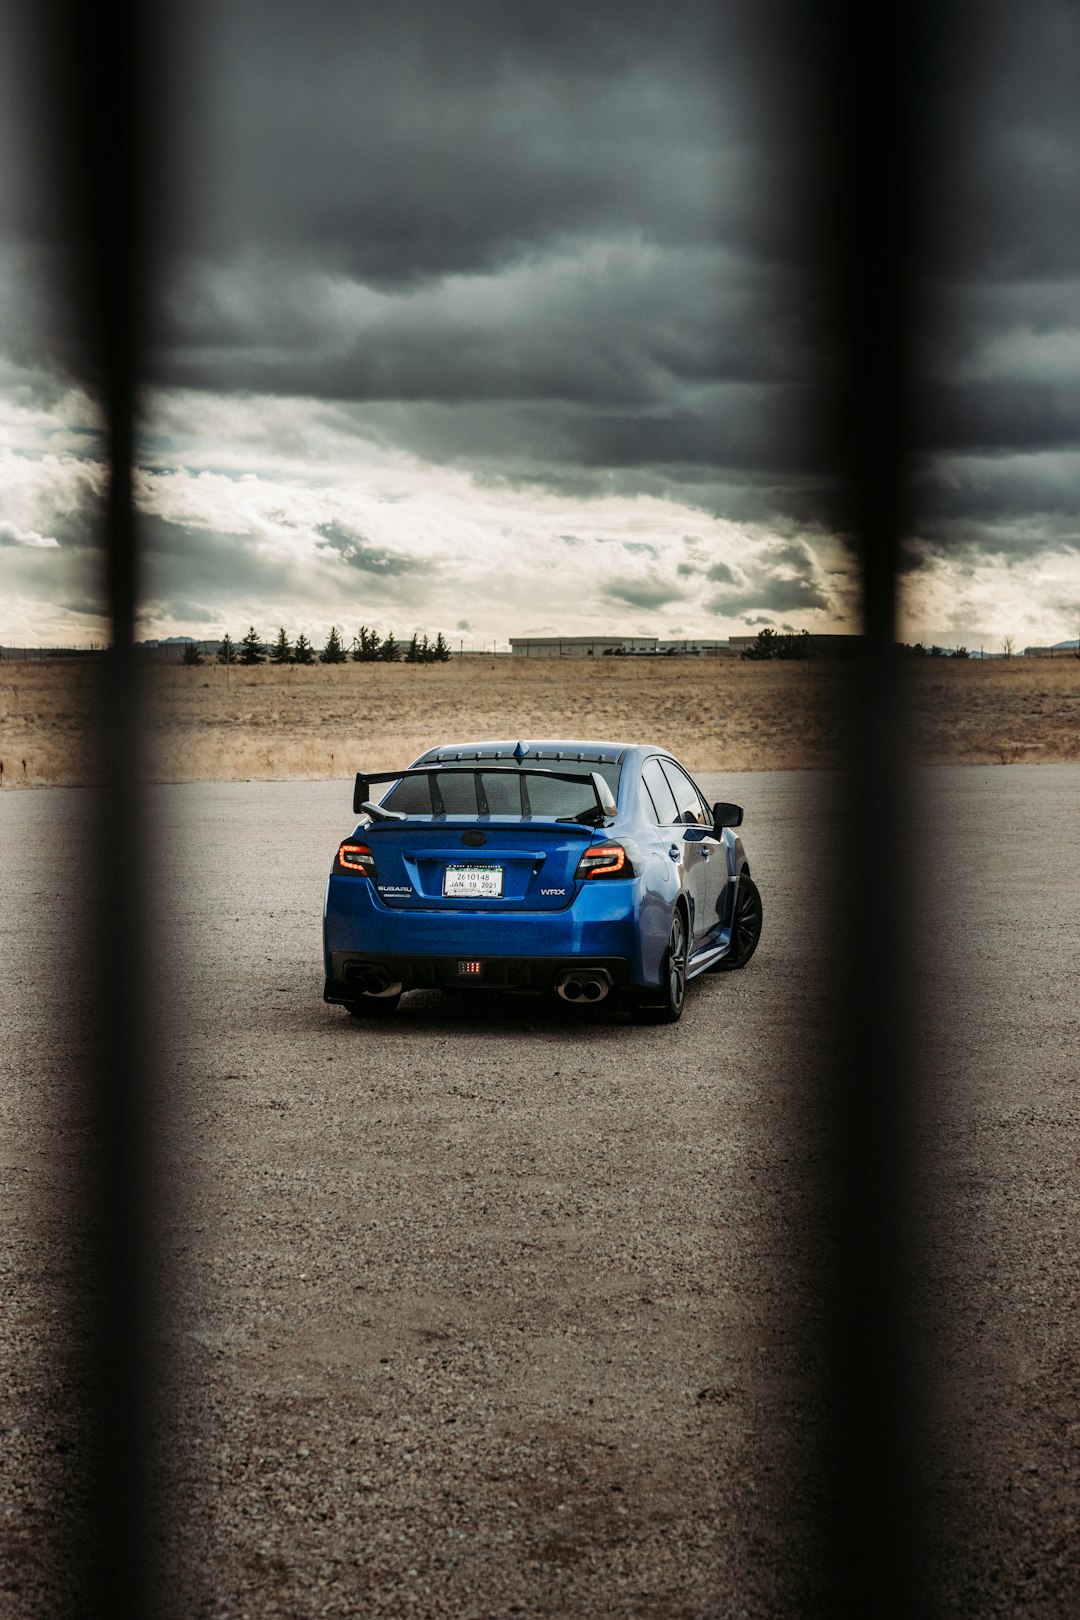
x=368, y=647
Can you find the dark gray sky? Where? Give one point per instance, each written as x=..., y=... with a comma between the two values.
x=498, y=319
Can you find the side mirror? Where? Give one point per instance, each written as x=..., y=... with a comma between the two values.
x=726, y=815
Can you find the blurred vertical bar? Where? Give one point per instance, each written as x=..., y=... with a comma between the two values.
x=96, y=72
x=873, y=70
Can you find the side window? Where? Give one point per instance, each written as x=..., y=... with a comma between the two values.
x=667, y=811
x=686, y=795
x=647, y=802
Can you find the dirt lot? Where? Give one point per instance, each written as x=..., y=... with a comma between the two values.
x=494, y=1311
x=209, y=724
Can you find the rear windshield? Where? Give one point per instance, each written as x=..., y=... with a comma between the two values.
x=543, y=796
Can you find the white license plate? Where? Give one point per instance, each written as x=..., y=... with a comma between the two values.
x=473, y=882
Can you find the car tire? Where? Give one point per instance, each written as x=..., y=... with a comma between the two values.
x=745, y=926
x=373, y=1006
x=664, y=1005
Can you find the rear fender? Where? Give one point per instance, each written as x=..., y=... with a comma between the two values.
x=660, y=894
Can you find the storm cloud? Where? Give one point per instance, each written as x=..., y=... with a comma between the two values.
x=775, y=578
x=546, y=243
x=425, y=270
x=649, y=592
x=554, y=246
x=999, y=395
x=359, y=553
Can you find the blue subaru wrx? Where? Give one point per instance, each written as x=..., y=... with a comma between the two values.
x=576, y=868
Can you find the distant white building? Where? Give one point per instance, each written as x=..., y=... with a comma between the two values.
x=579, y=646
x=695, y=647
x=614, y=646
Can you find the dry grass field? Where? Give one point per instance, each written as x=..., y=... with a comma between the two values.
x=210, y=724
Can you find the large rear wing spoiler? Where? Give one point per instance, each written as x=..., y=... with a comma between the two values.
x=605, y=802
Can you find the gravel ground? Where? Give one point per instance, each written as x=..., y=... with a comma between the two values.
x=500, y=1310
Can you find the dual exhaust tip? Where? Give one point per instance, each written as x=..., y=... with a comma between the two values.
x=374, y=981
x=587, y=987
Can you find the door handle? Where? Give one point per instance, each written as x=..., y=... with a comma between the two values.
x=674, y=852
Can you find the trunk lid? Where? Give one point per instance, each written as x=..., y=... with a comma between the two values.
x=469, y=863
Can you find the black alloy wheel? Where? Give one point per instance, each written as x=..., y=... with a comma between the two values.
x=745, y=926
x=665, y=1004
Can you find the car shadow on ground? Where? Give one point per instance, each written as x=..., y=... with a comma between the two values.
x=486, y=1014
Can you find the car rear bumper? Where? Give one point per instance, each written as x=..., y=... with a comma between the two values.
x=537, y=973
x=607, y=923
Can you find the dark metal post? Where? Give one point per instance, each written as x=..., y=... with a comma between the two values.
x=96, y=67
x=873, y=67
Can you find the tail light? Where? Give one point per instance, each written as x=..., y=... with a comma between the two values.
x=605, y=861
x=355, y=858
